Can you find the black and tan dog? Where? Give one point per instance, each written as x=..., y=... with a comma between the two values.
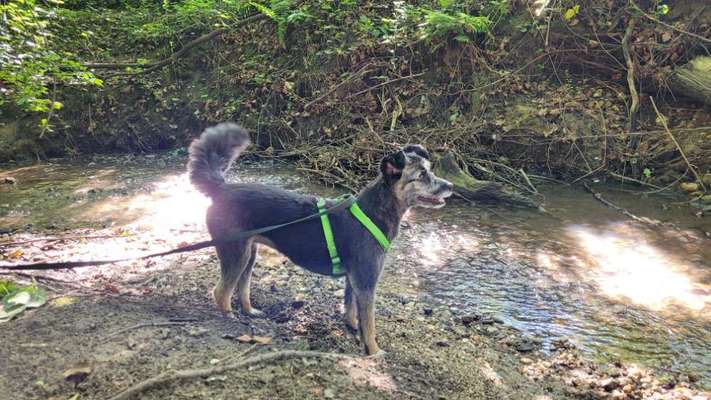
x=405, y=181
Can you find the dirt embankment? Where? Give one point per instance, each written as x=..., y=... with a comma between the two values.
x=549, y=96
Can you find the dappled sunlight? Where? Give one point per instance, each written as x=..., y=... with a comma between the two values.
x=366, y=372
x=173, y=206
x=624, y=265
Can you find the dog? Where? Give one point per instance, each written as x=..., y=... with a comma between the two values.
x=405, y=180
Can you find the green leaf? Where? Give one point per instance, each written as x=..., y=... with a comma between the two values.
x=19, y=298
x=571, y=12
x=6, y=287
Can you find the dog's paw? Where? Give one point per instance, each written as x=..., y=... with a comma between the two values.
x=380, y=354
x=253, y=312
x=352, y=325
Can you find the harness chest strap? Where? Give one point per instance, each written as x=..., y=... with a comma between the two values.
x=330, y=241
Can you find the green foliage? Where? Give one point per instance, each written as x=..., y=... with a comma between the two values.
x=30, y=66
x=283, y=13
x=458, y=24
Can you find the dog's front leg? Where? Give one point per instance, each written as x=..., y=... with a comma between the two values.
x=351, y=311
x=365, y=302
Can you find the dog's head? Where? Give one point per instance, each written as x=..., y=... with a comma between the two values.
x=408, y=173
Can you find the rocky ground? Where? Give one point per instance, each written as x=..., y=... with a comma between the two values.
x=106, y=330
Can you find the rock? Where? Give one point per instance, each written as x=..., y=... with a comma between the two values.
x=487, y=320
x=706, y=179
x=442, y=343
x=469, y=319
x=198, y=331
x=8, y=180
x=628, y=388
x=689, y=187
x=296, y=304
x=525, y=347
x=329, y=393
x=427, y=311
x=77, y=374
x=609, y=384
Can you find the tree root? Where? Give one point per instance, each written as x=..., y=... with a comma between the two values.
x=201, y=373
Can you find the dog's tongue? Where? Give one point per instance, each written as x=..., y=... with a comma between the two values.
x=431, y=200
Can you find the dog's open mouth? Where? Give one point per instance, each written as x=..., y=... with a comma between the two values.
x=432, y=201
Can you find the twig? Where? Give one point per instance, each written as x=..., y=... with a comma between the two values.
x=704, y=39
x=384, y=83
x=148, y=324
x=333, y=89
x=201, y=373
x=663, y=120
x=528, y=181
x=630, y=75
x=637, y=181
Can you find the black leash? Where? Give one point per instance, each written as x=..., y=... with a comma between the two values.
x=343, y=202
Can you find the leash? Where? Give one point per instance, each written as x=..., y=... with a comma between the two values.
x=343, y=202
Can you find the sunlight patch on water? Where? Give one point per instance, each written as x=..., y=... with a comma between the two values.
x=625, y=265
x=435, y=248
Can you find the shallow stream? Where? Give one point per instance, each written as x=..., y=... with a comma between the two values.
x=616, y=288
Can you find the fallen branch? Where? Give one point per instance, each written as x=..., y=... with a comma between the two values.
x=663, y=120
x=175, y=56
x=598, y=197
x=201, y=373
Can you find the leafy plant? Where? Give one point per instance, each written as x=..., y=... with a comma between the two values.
x=459, y=24
x=15, y=300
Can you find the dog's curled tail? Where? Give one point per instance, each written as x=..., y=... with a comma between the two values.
x=212, y=154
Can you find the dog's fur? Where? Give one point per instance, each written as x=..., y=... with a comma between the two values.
x=405, y=181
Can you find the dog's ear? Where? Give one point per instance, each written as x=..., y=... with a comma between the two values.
x=416, y=149
x=391, y=166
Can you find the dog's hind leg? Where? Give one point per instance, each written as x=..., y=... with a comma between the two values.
x=351, y=311
x=244, y=283
x=233, y=259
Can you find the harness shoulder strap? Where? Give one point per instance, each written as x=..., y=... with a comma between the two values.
x=330, y=241
x=370, y=226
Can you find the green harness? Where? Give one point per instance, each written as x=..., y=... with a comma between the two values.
x=336, y=269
